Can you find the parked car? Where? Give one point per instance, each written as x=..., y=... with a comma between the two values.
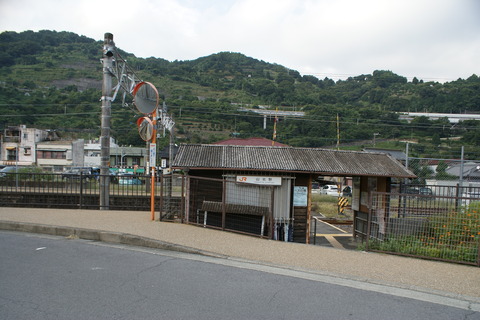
x=425, y=191
x=129, y=178
x=77, y=173
x=410, y=190
x=8, y=169
x=347, y=191
x=315, y=187
x=330, y=190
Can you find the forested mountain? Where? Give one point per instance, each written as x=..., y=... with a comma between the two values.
x=53, y=80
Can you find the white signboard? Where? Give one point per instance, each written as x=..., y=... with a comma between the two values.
x=300, y=196
x=267, y=181
x=356, y=194
x=153, y=154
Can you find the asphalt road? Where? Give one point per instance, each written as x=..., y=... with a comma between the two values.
x=45, y=277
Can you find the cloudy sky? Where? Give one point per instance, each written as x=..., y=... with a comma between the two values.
x=437, y=40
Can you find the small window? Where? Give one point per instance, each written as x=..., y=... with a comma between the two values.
x=27, y=151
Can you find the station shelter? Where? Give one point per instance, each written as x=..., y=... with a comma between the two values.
x=266, y=191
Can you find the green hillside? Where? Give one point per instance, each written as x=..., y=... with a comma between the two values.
x=53, y=80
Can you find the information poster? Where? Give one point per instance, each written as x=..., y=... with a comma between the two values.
x=300, y=196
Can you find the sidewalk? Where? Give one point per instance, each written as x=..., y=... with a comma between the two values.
x=136, y=228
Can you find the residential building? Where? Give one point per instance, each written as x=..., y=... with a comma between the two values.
x=24, y=146
x=128, y=157
x=18, y=144
x=54, y=155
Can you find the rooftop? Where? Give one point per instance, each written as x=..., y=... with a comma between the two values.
x=289, y=159
x=251, y=142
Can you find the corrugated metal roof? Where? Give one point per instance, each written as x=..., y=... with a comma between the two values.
x=289, y=159
x=251, y=142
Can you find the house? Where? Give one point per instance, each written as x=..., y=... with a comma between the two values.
x=24, y=146
x=128, y=157
x=261, y=190
x=468, y=172
x=58, y=154
x=18, y=144
x=397, y=154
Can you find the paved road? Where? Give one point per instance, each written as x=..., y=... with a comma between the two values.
x=44, y=277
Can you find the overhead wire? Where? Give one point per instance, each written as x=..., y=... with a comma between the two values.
x=357, y=121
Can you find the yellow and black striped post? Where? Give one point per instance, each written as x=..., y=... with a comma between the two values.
x=342, y=203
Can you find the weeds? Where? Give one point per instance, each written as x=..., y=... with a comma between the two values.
x=455, y=236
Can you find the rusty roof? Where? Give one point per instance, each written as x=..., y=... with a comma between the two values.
x=289, y=159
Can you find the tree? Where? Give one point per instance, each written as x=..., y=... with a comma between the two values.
x=441, y=173
x=385, y=79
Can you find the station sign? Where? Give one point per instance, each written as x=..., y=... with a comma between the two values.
x=260, y=180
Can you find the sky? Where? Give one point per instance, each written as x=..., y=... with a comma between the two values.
x=433, y=40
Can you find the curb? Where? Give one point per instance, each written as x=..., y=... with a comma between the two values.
x=101, y=236
x=430, y=295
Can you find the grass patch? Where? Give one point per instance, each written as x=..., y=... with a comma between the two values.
x=328, y=206
x=454, y=236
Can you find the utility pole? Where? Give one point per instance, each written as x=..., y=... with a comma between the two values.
x=338, y=133
x=107, y=60
x=145, y=99
x=374, y=136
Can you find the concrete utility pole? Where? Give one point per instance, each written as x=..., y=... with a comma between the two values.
x=107, y=60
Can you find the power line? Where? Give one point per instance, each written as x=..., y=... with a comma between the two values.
x=356, y=122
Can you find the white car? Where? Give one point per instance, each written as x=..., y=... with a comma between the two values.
x=330, y=190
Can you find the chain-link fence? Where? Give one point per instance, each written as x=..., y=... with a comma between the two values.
x=441, y=223
x=172, y=189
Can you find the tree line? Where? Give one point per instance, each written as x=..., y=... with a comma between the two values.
x=51, y=79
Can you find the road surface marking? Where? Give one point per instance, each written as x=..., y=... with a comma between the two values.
x=333, y=241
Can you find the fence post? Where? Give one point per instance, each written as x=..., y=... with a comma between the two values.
x=457, y=197
x=478, y=254
x=272, y=220
x=81, y=189
x=224, y=212
x=369, y=222
x=182, y=201
x=161, y=197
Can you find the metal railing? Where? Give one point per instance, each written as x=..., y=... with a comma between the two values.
x=56, y=190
